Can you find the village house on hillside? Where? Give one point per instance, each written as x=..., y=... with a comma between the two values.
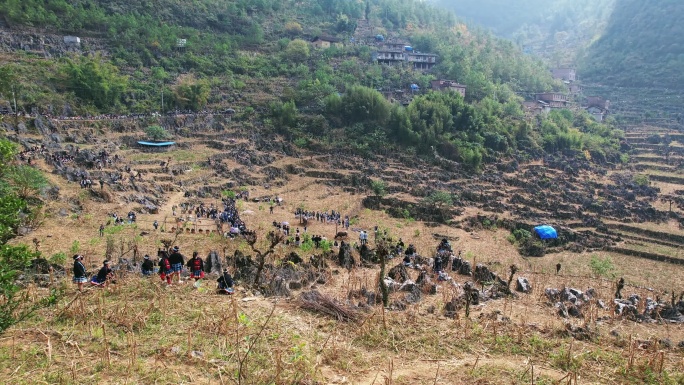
x=448, y=85
x=422, y=61
x=598, y=107
x=554, y=99
x=564, y=74
x=323, y=42
x=396, y=52
x=536, y=107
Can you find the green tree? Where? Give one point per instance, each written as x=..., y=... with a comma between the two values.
x=27, y=182
x=191, y=93
x=293, y=28
x=156, y=132
x=297, y=51
x=364, y=105
x=7, y=79
x=16, y=305
x=7, y=152
x=439, y=199
x=95, y=80
x=285, y=114
x=379, y=187
x=602, y=267
x=11, y=207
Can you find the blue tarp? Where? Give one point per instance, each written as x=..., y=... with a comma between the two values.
x=546, y=232
x=415, y=87
x=156, y=144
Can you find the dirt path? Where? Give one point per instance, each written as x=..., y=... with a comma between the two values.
x=174, y=200
x=445, y=371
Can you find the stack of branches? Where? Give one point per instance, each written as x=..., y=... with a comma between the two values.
x=320, y=303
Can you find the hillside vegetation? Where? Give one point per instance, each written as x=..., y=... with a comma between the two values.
x=640, y=46
x=556, y=31
x=316, y=98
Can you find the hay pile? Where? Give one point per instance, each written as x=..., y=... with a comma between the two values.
x=320, y=303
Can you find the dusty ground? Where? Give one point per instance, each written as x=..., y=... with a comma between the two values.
x=140, y=332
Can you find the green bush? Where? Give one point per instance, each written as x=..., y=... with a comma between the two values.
x=156, y=133
x=75, y=246
x=642, y=180
x=602, y=267
x=58, y=259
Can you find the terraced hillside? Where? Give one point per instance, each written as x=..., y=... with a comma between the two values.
x=601, y=213
x=596, y=208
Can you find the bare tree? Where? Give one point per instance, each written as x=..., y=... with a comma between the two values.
x=274, y=240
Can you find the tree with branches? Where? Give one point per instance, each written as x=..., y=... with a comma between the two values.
x=274, y=240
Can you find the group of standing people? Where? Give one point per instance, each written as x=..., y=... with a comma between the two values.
x=170, y=266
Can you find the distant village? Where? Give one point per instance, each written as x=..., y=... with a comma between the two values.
x=394, y=51
x=572, y=98
x=391, y=51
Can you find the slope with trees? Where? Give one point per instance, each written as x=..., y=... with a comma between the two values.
x=21, y=187
x=640, y=46
x=328, y=96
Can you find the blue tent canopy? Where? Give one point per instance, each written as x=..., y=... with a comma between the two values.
x=546, y=232
x=156, y=144
x=414, y=86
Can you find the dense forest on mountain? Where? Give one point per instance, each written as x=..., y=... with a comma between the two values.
x=640, y=46
x=503, y=17
x=556, y=31
x=325, y=98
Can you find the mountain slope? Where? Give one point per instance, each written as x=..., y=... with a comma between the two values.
x=555, y=30
x=254, y=57
x=640, y=46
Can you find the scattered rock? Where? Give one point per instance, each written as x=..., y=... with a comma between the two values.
x=574, y=311
x=344, y=257
x=212, y=264
x=399, y=273
x=562, y=310
x=523, y=285
x=552, y=295
x=461, y=266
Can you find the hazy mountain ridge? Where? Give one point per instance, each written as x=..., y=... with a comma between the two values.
x=640, y=46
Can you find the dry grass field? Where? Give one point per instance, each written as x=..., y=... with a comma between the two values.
x=139, y=331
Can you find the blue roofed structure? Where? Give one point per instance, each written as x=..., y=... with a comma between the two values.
x=156, y=146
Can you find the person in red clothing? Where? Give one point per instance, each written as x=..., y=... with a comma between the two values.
x=165, y=267
x=196, y=266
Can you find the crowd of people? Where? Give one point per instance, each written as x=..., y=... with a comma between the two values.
x=176, y=112
x=30, y=154
x=170, y=265
x=323, y=216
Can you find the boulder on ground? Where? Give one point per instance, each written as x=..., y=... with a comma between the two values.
x=399, y=273
x=344, y=257
x=523, y=285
